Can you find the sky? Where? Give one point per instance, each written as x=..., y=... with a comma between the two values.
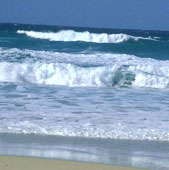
x=126, y=14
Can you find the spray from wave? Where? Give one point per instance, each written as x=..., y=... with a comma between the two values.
x=87, y=70
x=70, y=35
x=140, y=75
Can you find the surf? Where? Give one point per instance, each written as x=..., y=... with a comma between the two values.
x=71, y=35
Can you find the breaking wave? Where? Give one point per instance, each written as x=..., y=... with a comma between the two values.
x=120, y=75
x=70, y=35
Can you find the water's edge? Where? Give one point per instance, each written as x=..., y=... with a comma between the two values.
x=140, y=154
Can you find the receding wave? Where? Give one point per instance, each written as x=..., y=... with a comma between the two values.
x=70, y=35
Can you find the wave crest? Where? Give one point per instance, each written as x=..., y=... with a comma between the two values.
x=71, y=75
x=70, y=35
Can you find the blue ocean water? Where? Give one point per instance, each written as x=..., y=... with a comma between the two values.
x=84, y=82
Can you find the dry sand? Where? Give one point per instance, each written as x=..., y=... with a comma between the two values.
x=25, y=163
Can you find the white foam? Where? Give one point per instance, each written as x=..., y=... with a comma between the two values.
x=71, y=75
x=77, y=59
x=87, y=70
x=54, y=74
x=92, y=128
x=70, y=35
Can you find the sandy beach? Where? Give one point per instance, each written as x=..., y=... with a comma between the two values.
x=26, y=163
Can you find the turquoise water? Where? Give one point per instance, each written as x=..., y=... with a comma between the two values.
x=96, y=84
x=155, y=44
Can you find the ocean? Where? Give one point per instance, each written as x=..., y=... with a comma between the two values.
x=85, y=87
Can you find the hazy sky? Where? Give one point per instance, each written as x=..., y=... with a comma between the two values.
x=131, y=14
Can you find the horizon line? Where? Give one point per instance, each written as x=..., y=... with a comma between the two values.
x=83, y=27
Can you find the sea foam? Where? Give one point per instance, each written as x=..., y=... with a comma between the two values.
x=138, y=75
x=91, y=127
x=70, y=35
x=87, y=70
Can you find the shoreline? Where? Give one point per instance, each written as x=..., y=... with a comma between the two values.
x=141, y=154
x=33, y=163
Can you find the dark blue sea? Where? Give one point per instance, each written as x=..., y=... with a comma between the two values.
x=93, y=84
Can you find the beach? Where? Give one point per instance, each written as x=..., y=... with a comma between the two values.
x=126, y=153
x=25, y=163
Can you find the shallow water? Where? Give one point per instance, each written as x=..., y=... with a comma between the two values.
x=151, y=155
x=123, y=113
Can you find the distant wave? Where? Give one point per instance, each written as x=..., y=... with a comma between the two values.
x=124, y=71
x=70, y=35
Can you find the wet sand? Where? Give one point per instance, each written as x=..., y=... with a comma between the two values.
x=27, y=163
